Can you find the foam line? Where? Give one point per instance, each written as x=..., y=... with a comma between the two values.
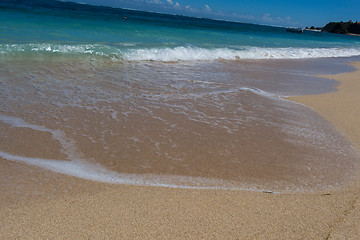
x=67, y=144
x=202, y=54
x=180, y=53
x=97, y=173
x=81, y=168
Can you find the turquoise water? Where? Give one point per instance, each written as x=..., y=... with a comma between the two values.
x=63, y=28
x=165, y=100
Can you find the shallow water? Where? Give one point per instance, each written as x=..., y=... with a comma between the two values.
x=207, y=124
x=168, y=100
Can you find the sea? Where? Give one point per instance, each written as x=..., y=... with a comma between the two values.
x=131, y=97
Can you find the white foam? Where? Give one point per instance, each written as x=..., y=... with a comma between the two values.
x=88, y=49
x=182, y=53
x=114, y=114
x=67, y=144
x=261, y=92
x=202, y=54
x=95, y=172
x=81, y=168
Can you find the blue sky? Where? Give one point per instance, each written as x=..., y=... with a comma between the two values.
x=297, y=13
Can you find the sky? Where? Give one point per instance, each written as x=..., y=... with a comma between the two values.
x=293, y=13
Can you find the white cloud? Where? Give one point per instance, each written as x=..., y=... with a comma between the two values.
x=174, y=6
x=188, y=8
x=207, y=8
x=159, y=2
x=268, y=18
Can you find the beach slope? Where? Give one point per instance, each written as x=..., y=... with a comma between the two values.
x=342, y=109
x=38, y=204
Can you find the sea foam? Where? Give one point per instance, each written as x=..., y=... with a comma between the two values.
x=95, y=172
x=84, y=169
x=203, y=54
x=180, y=53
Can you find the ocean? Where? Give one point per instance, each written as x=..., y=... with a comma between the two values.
x=131, y=97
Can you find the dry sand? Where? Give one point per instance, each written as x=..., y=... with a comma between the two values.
x=37, y=204
x=342, y=109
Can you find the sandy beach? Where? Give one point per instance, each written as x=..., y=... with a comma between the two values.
x=38, y=204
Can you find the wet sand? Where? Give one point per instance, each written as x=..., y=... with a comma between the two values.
x=37, y=204
x=341, y=108
x=220, y=124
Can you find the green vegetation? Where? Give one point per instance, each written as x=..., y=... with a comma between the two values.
x=342, y=27
x=313, y=28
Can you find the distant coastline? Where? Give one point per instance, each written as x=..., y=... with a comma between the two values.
x=349, y=28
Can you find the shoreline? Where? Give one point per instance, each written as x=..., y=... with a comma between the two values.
x=346, y=93
x=340, y=108
x=221, y=143
x=41, y=204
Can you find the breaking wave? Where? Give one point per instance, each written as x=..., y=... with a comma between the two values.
x=180, y=53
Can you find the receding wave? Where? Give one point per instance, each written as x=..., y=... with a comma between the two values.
x=81, y=168
x=180, y=53
x=95, y=172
